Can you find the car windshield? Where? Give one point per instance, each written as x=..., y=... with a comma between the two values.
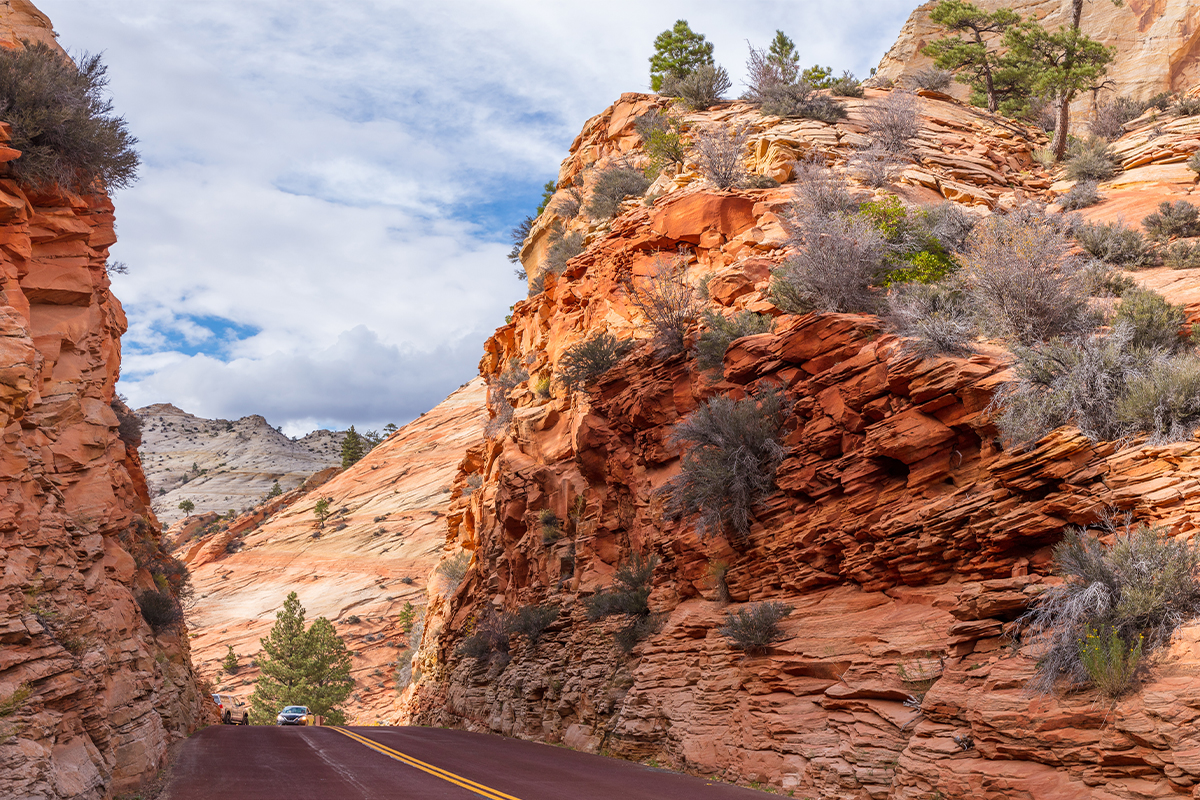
x=295, y=710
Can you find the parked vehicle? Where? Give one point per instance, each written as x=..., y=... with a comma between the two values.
x=233, y=710
x=296, y=715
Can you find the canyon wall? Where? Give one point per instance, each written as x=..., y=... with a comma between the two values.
x=903, y=535
x=1157, y=41
x=358, y=568
x=90, y=695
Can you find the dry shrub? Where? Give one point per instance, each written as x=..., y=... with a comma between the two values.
x=839, y=259
x=1111, y=116
x=755, y=628
x=720, y=152
x=532, y=621
x=731, y=451
x=582, y=364
x=1142, y=587
x=875, y=165
x=1082, y=195
x=490, y=636
x=61, y=121
x=452, y=570
x=937, y=317
x=893, y=122
x=1020, y=280
x=629, y=596
x=1163, y=400
x=1098, y=279
x=129, y=426
x=563, y=247
x=932, y=79
x=700, y=89
x=667, y=300
x=160, y=609
x=846, y=86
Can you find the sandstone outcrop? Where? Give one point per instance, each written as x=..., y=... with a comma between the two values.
x=90, y=696
x=903, y=534
x=1158, y=49
x=374, y=553
x=222, y=464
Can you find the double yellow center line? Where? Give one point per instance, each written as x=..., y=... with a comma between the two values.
x=437, y=772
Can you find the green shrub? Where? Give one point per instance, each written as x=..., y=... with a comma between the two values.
x=753, y=629
x=562, y=248
x=719, y=154
x=846, y=86
x=1091, y=159
x=662, y=140
x=611, y=186
x=1182, y=255
x=1110, y=663
x=550, y=525
x=1129, y=596
x=1082, y=195
x=801, y=100
x=583, y=363
x=489, y=637
x=1163, y=400
x=1154, y=322
x=160, y=609
x=700, y=89
x=629, y=596
x=667, y=300
x=731, y=450
x=932, y=78
x=1098, y=279
x=1114, y=243
x=61, y=121
x=1178, y=219
x=532, y=621
x=721, y=331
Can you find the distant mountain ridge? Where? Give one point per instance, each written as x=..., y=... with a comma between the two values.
x=221, y=464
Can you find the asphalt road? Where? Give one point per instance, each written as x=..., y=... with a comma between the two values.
x=265, y=763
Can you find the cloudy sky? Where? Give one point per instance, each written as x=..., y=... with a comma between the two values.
x=320, y=228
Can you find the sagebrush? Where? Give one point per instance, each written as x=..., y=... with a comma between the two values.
x=720, y=331
x=583, y=363
x=666, y=299
x=753, y=629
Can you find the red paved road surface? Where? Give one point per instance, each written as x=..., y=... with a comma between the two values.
x=269, y=763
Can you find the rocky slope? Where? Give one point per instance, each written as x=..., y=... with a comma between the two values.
x=90, y=696
x=374, y=553
x=222, y=464
x=904, y=536
x=1158, y=43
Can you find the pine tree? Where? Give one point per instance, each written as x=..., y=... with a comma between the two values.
x=328, y=682
x=301, y=667
x=283, y=664
x=187, y=507
x=230, y=663
x=1057, y=65
x=783, y=53
x=678, y=51
x=276, y=490
x=972, y=59
x=352, y=448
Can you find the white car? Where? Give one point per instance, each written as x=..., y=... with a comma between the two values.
x=232, y=709
x=295, y=715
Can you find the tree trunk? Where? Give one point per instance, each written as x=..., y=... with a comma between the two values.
x=1076, y=13
x=1060, y=127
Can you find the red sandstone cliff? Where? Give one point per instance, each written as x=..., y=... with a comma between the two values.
x=905, y=537
x=91, y=696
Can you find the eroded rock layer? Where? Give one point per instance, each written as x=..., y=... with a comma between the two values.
x=903, y=535
x=90, y=696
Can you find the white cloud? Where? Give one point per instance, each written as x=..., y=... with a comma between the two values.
x=330, y=181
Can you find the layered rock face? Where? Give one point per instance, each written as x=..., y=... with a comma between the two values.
x=221, y=464
x=90, y=696
x=1158, y=43
x=374, y=554
x=902, y=534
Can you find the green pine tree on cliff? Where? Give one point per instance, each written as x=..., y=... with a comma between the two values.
x=973, y=59
x=353, y=448
x=678, y=51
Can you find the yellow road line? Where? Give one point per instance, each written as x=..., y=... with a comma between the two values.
x=437, y=772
